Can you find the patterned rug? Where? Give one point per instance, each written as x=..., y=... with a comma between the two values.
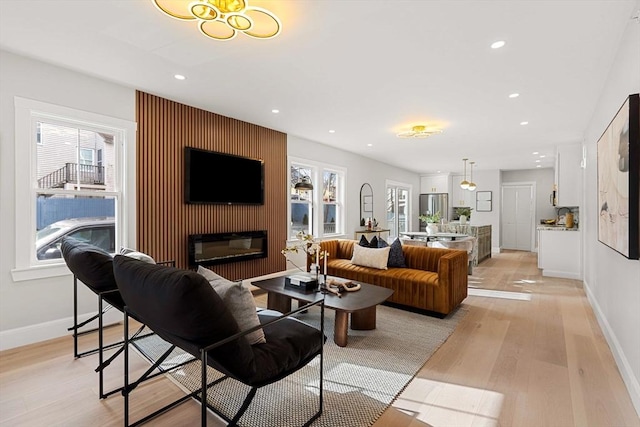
x=360, y=380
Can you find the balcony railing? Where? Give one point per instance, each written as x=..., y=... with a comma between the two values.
x=73, y=173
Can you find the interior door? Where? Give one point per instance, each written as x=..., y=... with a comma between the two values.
x=517, y=217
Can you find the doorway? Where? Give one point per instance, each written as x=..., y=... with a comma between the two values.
x=518, y=207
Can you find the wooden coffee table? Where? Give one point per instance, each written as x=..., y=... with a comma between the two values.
x=361, y=304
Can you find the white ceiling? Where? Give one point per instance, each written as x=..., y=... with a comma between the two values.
x=367, y=69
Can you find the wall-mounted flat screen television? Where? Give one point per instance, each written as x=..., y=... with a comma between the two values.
x=220, y=178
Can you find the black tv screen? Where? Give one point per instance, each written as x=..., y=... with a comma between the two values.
x=220, y=178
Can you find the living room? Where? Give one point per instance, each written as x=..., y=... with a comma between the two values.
x=36, y=306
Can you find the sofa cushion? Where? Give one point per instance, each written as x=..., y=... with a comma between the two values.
x=369, y=257
x=240, y=302
x=181, y=303
x=363, y=241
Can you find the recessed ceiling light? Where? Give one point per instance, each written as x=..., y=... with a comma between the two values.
x=537, y=161
x=438, y=171
x=179, y=77
x=274, y=111
x=369, y=145
x=332, y=131
x=538, y=166
x=524, y=123
x=498, y=44
x=514, y=95
x=542, y=156
x=535, y=152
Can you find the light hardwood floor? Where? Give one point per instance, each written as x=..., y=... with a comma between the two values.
x=536, y=362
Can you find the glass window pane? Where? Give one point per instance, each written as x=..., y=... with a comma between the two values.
x=65, y=158
x=297, y=173
x=329, y=218
x=91, y=219
x=329, y=186
x=301, y=219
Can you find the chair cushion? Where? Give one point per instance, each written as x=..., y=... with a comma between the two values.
x=90, y=264
x=181, y=303
x=239, y=301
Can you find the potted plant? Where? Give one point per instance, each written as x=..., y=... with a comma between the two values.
x=432, y=221
x=464, y=213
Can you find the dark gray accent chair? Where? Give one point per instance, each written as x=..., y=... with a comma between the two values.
x=182, y=308
x=94, y=268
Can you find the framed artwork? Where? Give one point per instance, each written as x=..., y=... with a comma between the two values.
x=619, y=181
x=483, y=201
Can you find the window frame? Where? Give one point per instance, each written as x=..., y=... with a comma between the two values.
x=317, y=202
x=27, y=114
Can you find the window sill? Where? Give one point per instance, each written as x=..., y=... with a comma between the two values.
x=39, y=272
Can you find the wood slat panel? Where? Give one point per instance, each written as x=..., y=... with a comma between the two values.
x=163, y=219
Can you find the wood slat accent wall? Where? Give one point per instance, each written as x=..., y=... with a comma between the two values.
x=164, y=220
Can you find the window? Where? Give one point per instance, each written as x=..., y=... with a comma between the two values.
x=73, y=176
x=324, y=205
x=398, y=208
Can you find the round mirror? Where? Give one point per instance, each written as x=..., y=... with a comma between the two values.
x=366, y=202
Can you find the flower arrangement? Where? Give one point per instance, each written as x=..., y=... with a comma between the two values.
x=308, y=245
x=428, y=218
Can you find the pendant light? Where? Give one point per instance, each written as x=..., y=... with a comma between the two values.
x=472, y=185
x=304, y=184
x=464, y=184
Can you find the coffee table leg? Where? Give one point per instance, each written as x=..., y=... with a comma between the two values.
x=340, y=328
x=364, y=320
x=278, y=302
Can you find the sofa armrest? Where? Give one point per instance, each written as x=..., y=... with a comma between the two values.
x=452, y=275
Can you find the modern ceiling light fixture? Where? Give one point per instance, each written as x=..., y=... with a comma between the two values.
x=472, y=185
x=464, y=184
x=498, y=44
x=419, y=131
x=223, y=19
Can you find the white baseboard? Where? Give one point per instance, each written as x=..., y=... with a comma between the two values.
x=31, y=334
x=495, y=249
x=561, y=274
x=631, y=382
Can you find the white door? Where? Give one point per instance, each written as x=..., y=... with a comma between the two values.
x=517, y=217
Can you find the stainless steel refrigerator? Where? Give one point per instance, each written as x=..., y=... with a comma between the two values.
x=432, y=203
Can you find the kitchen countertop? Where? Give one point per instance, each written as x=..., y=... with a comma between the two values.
x=556, y=228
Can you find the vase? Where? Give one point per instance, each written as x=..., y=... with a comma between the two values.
x=432, y=228
x=463, y=219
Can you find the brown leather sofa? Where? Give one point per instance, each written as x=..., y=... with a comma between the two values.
x=435, y=279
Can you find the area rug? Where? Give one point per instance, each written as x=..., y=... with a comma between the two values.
x=360, y=380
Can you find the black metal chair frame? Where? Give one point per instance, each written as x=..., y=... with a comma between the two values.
x=102, y=364
x=205, y=385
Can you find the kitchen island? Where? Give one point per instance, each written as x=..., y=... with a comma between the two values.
x=559, y=251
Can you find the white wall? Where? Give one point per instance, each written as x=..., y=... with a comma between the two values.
x=359, y=170
x=612, y=282
x=33, y=310
x=489, y=181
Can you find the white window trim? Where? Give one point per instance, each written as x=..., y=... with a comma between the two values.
x=26, y=111
x=317, y=169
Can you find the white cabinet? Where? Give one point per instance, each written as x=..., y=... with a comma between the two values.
x=434, y=184
x=559, y=253
x=569, y=174
x=460, y=197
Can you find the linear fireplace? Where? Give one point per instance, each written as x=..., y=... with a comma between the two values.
x=220, y=248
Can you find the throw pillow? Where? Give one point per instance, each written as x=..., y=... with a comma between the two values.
x=240, y=302
x=396, y=256
x=363, y=241
x=374, y=242
x=382, y=243
x=132, y=253
x=369, y=257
